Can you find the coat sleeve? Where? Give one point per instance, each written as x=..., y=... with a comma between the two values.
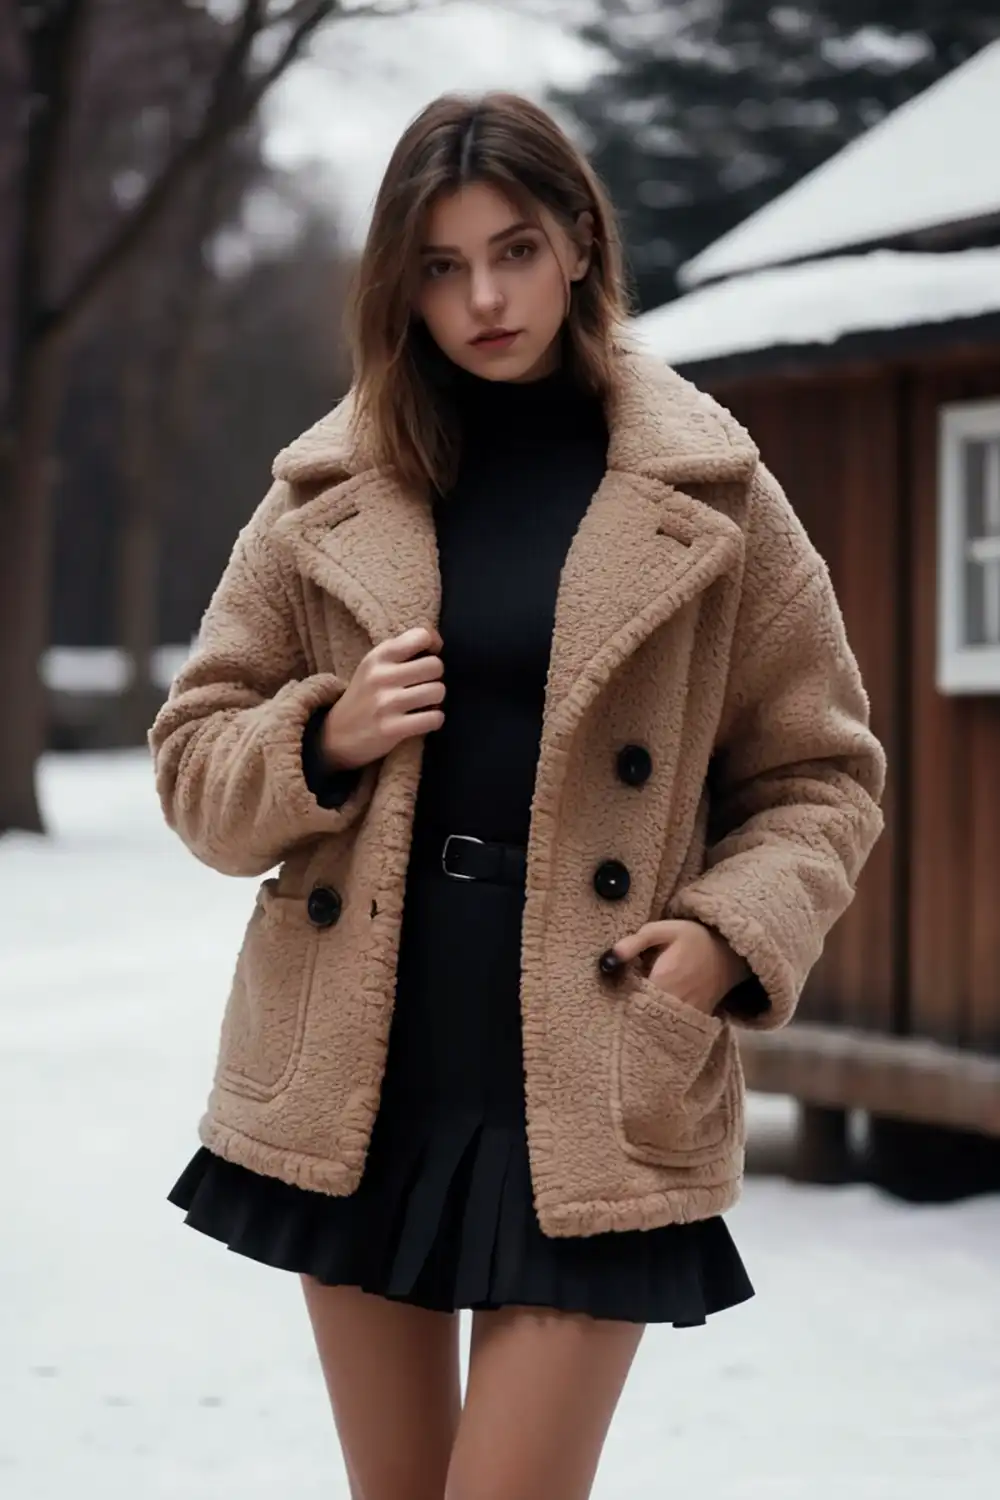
x=797, y=774
x=230, y=744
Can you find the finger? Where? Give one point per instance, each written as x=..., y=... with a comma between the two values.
x=403, y=647
x=421, y=695
x=419, y=669
x=630, y=946
x=408, y=726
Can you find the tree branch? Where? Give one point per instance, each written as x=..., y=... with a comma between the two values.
x=231, y=72
x=54, y=45
x=232, y=102
x=290, y=16
x=299, y=8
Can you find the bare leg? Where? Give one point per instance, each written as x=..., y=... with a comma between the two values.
x=542, y=1390
x=392, y=1372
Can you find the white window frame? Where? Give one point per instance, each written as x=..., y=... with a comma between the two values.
x=961, y=667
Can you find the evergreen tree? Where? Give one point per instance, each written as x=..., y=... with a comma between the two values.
x=711, y=108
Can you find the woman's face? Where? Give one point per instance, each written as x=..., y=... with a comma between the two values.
x=492, y=286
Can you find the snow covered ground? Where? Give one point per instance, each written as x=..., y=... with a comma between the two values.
x=139, y=1361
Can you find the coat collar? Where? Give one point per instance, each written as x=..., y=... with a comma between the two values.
x=661, y=426
x=644, y=548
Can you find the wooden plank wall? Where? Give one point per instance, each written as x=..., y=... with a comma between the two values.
x=954, y=928
x=919, y=951
x=834, y=444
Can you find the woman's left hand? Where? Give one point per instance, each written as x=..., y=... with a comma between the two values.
x=694, y=964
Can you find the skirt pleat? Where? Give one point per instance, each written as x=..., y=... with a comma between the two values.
x=476, y=1253
x=444, y=1219
x=427, y=1199
x=444, y=1216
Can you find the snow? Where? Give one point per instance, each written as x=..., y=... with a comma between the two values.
x=930, y=163
x=104, y=669
x=140, y=1359
x=821, y=301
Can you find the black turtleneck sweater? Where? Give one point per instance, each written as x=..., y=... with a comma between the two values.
x=532, y=456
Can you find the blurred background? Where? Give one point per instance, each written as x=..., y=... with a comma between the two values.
x=810, y=195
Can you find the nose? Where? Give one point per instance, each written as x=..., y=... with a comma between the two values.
x=486, y=294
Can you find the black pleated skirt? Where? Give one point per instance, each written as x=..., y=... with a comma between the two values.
x=443, y=1217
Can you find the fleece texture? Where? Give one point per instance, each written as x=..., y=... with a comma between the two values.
x=693, y=617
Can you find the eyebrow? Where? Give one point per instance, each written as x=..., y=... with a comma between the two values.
x=494, y=239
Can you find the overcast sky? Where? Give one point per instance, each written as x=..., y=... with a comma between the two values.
x=347, y=105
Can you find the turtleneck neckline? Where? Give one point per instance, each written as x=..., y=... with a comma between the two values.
x=555, y=399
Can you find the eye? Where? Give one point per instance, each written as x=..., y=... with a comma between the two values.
x=523, y=250
x=435, y=269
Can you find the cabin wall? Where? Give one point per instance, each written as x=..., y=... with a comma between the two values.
x=918, y=953
x=954, y=907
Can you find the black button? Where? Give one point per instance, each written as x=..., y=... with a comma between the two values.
x=612, y=880
x=635, y=765
x=323, y=906
x=609, y=963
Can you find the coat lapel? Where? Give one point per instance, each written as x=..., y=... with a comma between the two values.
x=357, y=533
x=373, y=546
x=644, y=548
x=642, y=552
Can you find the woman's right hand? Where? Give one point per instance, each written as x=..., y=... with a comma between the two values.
x=392, y=696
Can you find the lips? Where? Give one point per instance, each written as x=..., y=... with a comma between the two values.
x=494, y=337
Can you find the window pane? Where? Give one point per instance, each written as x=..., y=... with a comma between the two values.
x=991, y=603
x=982, y=519
x=975, y=604
x=975, y=488
x=982, y=488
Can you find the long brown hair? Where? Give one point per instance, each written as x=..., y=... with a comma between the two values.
x=513, y=145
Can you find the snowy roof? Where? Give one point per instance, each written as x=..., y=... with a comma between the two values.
x=931, y=162
x=821, y=301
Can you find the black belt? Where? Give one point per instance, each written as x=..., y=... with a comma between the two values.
x=464, y=857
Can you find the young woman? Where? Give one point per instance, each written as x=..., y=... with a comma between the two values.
x=480, y=1047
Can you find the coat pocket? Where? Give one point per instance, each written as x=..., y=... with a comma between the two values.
x=265, y=1017
x=675, y=1080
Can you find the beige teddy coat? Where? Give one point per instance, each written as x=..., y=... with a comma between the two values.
x=694, y=618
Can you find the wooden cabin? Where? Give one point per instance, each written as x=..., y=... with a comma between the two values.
x=853, y=326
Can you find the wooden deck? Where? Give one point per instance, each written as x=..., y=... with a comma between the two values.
x=906, y=1078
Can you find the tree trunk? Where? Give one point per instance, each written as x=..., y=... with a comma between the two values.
x=26, y=512
x=137, y=568
x=54, y=38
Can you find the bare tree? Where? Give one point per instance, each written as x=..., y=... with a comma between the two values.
x=271, y=360
x=165, y=298
x=230, y=67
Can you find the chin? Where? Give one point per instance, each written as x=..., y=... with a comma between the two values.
x=512, y=365
x=517, y=367
x=493, y=369
x=519, y=370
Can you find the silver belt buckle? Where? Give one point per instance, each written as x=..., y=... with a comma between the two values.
x=466, y=838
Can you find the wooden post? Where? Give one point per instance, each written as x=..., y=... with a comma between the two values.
x=927, y=1163
x=822, y=1145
